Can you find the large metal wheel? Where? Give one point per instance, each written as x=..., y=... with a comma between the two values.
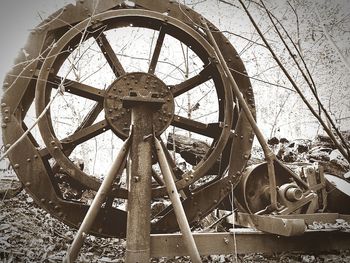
x=45, y=162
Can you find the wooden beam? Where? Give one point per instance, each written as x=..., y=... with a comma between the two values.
x=249, y=241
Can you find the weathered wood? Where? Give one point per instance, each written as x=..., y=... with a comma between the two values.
x=191, y=150
x=250, y=241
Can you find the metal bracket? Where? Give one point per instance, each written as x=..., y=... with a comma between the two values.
x=271, y=224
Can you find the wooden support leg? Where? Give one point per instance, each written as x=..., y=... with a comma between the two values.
x=177, y=205
x=95, y=207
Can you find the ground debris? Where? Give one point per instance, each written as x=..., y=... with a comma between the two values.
x=29, y=234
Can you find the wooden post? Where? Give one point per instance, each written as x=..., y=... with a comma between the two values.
x=139, y=198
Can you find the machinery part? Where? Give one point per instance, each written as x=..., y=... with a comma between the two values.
x=253, y=191
x=43, y=70
x=338, y=195
x=271, y=224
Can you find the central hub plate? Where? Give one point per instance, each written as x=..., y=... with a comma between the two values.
x=144, y=84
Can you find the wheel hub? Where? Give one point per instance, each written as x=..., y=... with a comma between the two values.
x=119, y=117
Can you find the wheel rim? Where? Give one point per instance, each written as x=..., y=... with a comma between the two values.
x=56, y=147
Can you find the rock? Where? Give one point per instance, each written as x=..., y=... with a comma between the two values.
x=273, y=141
x=319, y=154
x=284, y=140
x=157, y=207
x=308, y=258
x=322, y=140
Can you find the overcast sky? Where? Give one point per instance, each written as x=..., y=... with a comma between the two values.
x=17, y=17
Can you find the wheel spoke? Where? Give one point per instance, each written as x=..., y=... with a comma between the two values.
x=212, y=130
x=156, y=52
x=91, y=116
x=110, y=56
x=193, y=82
x=80, y=89
x=88, y=120
x=79, y=137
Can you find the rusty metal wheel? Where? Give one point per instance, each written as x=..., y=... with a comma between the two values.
x=44, y=159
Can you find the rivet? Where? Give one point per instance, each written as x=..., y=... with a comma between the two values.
x=60, y=214
x=215, y=201
x=241, y=137
x=56, y=207
x=6, y=111
x=28, y=160
x=237, y=56
x=5, y=85
x=8, y=146
x=110, y=110
x=6, y=118
x=28, y=184
x=3, y=104
x=191, y=176
x=229, y=60
x=136, y=179
x=50, y=202
x=246, y=156
x=35, y=156
x=3, y=125
x=55, y=148
x=186, y=178
x=42, y=200
x=16, y=165
x=250, y=140
x=238, y=172
x=52, y=142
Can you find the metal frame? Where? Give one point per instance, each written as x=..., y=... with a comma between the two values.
x=167, y=17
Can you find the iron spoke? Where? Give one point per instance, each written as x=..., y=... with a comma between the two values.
x=79, y=137
x=156, y=52
x=109, y=54
x=80, y=89
x=212, y=130
x=193, y=82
